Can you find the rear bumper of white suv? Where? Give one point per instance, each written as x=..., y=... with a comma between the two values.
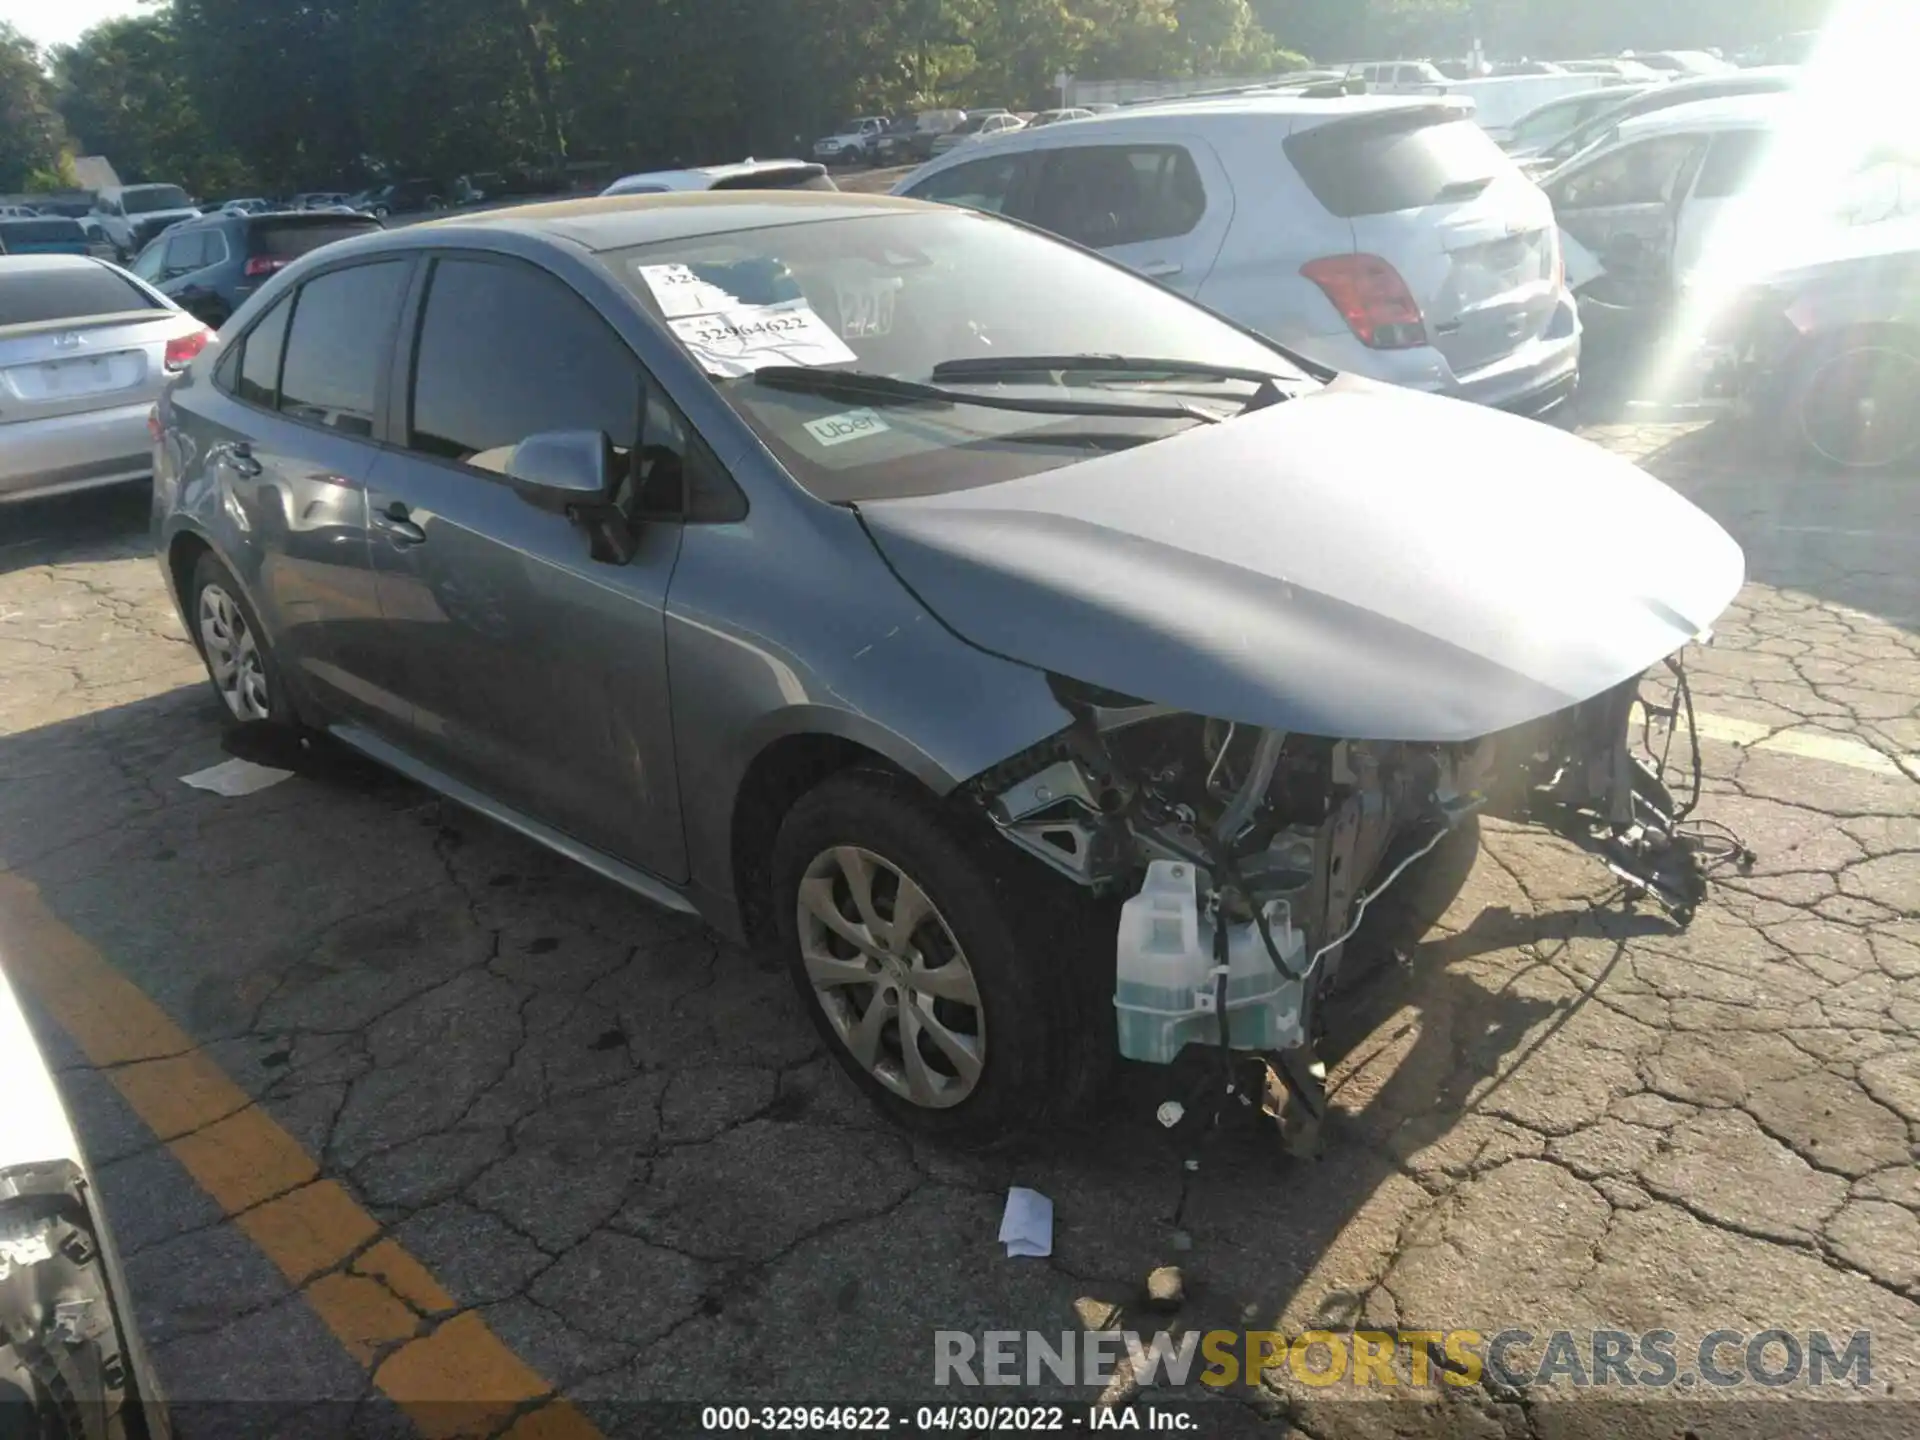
x=1535, y=379
x=75, y=452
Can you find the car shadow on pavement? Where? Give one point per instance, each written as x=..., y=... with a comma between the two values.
x=105, y=524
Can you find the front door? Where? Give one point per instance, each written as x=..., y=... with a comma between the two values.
x=1621, y=207
x=534, y=671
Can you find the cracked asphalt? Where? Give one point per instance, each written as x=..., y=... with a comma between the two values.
x=615, y=1140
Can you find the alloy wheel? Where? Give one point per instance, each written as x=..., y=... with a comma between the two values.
x=891, y=978
x=233, y=655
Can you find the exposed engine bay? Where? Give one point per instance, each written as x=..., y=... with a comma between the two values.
x=1259, y=843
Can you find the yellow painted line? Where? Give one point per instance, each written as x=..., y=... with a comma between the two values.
x=443, y=1367
x=1807, y=744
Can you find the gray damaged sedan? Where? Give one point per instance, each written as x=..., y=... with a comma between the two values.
x=1045, y=665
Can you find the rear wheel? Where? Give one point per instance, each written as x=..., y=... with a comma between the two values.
x=239, y=661
x=1854, y=402
x=946, y=979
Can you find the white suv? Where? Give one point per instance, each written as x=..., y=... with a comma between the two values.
x=1381, y=235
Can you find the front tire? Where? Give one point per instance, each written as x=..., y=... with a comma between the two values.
x=946, y=977
x=240, y=664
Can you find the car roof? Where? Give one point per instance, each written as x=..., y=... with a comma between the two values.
x=614, y=222
x=1728, y=112
x=48, y=264
x=693, y=175
x=1256, y=108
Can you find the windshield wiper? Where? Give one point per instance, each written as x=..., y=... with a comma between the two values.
x=1000, y=367
x=865, y=385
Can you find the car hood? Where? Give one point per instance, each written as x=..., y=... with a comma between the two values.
x=1362, y=562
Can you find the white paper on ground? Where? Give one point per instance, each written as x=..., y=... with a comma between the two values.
x=1027, y=1226
x=737, y=342
x=234, y=778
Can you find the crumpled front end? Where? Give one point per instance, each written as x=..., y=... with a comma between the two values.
x=1283, y=841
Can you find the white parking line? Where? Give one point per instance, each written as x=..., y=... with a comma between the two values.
x=1807, y=744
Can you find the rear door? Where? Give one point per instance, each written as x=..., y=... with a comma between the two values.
x=534, y=671
x=1429, y=192
x=187, y=272
x=283, y=439
x=1161, y=208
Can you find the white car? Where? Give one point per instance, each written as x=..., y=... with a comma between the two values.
x=1544, y=124
x=85, y=349
x=852, y=142
x=742, y=175
x=1383, y=235
x=1642, y=204
x=976, y=128
x=131, y=215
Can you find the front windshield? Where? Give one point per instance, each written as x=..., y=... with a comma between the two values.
x=154, y=197
x=900, y=293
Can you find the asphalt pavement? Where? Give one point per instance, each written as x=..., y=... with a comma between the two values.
x=405, y=1125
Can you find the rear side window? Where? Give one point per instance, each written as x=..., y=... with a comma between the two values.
x=1106, y=195
x=259, y=382
x=290, y=241
x=192, y=251
x=507, y=351
x=66, y=294
x=342, y=323
x=1375, y=166
x=978, y=185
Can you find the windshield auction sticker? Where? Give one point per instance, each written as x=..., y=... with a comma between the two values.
x=731, y=343
x=680, y=292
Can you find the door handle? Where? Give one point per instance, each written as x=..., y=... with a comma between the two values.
x=1161, y=269
x=238, y=457
x=396, y=523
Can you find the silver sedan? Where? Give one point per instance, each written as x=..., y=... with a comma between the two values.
x=85, y=349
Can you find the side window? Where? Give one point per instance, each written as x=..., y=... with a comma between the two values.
x=1731, y=164
x=186, y=253
x=152, y=262
x=507, y=351
x=260, y=352
x=1641, y=174
x=1106, y=195
x=978, y=185
x=342, y=323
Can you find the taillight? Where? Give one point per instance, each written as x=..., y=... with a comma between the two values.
x=1372, y=298
x=264, y=265
x=180, y=351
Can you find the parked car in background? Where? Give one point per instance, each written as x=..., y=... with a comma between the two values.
x=853, y=142
x=1399, y=77
x=978, y=126
x=18, y=212
x=1823, y=351
x=209, y=267
x=42, y=235
x=744, y=175
x=1054, y=117
x=909, y=140
x=403, y=197
x=1689, y=63
x=1625, y=71
x=824, y=567
x=1540, y=127
x=252, y=205
x=1654, y=99
x=84, y=351
x=1499, y=101
x=1378, y=234
x=131, y=215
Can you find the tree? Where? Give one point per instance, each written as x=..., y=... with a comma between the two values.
x=124, y=91
x=31, y=134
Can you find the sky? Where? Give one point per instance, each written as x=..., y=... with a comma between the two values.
x=59, y=22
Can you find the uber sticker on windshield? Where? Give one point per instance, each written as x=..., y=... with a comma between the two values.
x=832, y=430
x=681, y=292
x=742, y=340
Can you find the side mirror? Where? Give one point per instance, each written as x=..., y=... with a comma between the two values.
x=565, y=471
